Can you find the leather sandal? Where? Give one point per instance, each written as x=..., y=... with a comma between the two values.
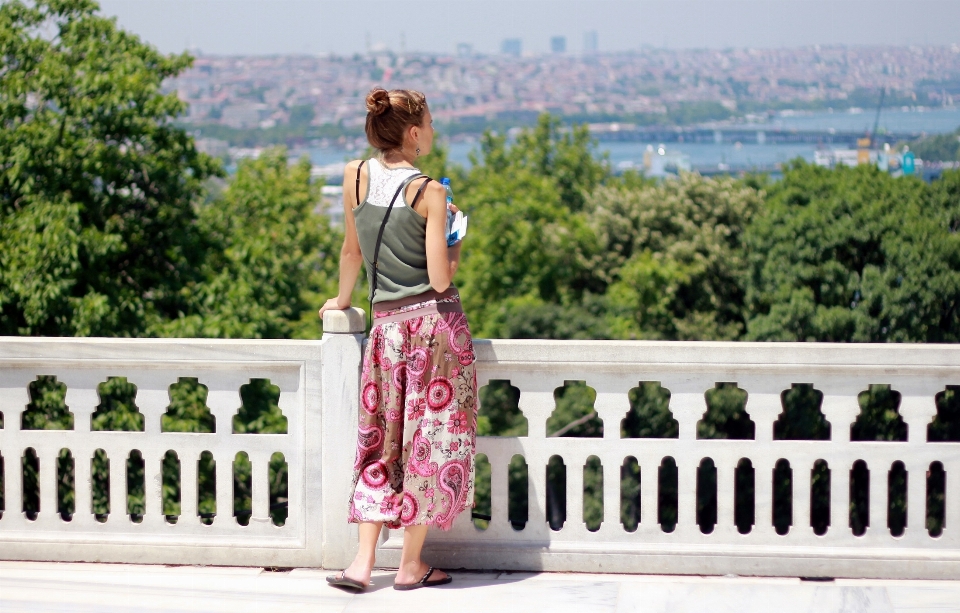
x=424, y=582
x=344, y=581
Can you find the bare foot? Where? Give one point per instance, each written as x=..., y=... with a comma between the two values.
x=359, y=570
x=413, y=572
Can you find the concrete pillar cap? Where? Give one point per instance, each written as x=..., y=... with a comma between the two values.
x=348, y=321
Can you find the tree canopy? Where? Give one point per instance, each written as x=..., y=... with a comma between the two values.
x=97, y=187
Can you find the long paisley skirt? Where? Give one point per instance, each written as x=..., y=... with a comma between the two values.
x=418, y=418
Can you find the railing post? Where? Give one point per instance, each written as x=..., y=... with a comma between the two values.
x=840, y=407
x=918, y=406
x=340, y=396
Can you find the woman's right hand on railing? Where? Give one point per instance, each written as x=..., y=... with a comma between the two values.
x=334, y=304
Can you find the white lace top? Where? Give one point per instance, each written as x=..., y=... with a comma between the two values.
x=385, y=181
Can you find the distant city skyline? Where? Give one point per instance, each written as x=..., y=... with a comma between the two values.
x=269, y=27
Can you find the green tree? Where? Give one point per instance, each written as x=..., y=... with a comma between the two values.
x=271, y=261
x=852, y=254
x=97, y=186
x=938, y=147
x=672, y=256
x=525, y=270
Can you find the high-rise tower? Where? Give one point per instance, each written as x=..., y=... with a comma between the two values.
x=590, y=42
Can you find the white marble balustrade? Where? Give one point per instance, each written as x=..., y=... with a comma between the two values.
x=152, y=365
x=319, y=380
x=688, y=370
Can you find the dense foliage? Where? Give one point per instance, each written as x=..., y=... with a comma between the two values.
x=97, y=189
x=938, y=147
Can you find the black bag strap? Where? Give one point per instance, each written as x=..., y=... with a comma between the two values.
x=376, y=250
x=419, y=192
x=362, y=162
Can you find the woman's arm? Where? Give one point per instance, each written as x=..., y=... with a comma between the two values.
x=442, y=261
x=351, y=260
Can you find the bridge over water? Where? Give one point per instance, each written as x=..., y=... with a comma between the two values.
x=740, y=134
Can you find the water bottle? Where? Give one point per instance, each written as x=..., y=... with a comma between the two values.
x=445, y=182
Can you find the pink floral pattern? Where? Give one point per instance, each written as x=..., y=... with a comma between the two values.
x=417, y=430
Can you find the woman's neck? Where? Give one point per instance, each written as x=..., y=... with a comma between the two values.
x=395, y=159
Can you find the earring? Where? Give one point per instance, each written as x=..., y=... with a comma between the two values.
x=418, y=151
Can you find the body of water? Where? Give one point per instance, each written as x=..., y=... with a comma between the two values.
x=704, y=155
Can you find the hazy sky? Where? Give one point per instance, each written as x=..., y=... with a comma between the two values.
x=344, y=26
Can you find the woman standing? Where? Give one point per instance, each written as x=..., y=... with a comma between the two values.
x=418, y=393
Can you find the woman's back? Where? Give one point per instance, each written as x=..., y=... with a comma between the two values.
x=402, y=267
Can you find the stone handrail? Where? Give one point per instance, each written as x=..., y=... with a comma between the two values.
x=319, y=380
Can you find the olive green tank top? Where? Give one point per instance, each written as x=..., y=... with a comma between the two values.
x=403, y=249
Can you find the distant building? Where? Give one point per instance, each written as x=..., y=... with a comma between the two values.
x=511, y=46
x=245, y=114
x=558, y=44
x=464, y=49
x=590, y=42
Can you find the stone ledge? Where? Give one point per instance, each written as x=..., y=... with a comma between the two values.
x=348, y=321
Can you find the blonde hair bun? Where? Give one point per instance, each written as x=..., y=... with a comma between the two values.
x=378, y=101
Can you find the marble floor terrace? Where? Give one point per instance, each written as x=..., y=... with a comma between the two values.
x=41, y=587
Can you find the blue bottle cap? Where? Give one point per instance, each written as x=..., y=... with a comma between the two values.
x=445, y=181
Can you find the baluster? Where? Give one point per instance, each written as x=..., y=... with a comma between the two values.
x=611, y=526
x=951, y=529
x=574, y=462
x=649, y=495
x=916, y=530
x=224, y=471
x=537, y=407
x=763, y=497
x=83, y=486
x=918, y=411
x=764, y=406
x=118, y=485
x=223, y=405
x=152, y=399
x=536, y=403
x=879, y=474
x=801, y=498
x=688, y=404
x=536, y=495
x=841, y=407
x=726, y=492
x=612, y=407
x=13, y=401
x=13, y=484
x=153, y=487
x=47, y=482
x=687, y=496
x=840, y=500
x=188, y=487
x=499, y=494
x=82, y=399
x=917, y=406
x=260, y=471
x=152, y=404
x=688, y=408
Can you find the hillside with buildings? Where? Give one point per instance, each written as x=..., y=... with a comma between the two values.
x=651, y=86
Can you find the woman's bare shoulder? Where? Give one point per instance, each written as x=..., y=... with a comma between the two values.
x=352, y=166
